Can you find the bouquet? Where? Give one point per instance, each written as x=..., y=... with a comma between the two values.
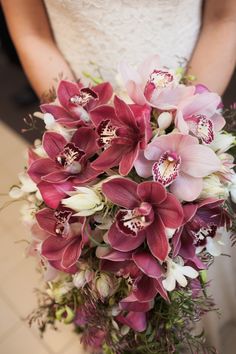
x=130, y=198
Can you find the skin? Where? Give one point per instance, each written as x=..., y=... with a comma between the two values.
x=212, y=62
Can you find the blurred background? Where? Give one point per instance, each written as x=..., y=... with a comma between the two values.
x=17, y=275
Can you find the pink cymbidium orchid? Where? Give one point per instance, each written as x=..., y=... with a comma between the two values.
x=179, y=161
x=153, y=85
x=61, y=251
x=123, y=132
x=76, y=102
x=66, y=159
x=199, y=116
x=146, y=209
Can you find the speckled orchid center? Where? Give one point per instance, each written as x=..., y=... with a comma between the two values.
x=200, y=237
x=106, y=132
x=166, y=170
x=70, y=158
x=201, y=127
x=62, y=227
x=133, y=221
x=85, y=96
x=161, y=78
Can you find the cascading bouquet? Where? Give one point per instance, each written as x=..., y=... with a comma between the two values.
x=128, y=204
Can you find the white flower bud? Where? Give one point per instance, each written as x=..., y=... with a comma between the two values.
x=104, y=285
x=85, y=201
x=164, y=120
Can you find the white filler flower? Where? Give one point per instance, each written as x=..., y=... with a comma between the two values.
x=177, y=272
x=85, y=201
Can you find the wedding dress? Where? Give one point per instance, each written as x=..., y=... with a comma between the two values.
x=106, y=31
x=101, y=33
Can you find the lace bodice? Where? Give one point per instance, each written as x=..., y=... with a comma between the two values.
x=106, y=31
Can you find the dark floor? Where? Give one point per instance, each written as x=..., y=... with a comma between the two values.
x=17, y=102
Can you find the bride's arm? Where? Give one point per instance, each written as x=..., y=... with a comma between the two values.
x=30, y=30
x=214, y=57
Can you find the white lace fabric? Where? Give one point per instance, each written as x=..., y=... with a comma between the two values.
x=104, y=32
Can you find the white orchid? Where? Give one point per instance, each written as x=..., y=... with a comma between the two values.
x=223, y=141
x=85, y=201
x=26, y=187
x=177, y=272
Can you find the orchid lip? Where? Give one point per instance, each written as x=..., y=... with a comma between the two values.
x=201, y=235
x=161, y=78
x=62, y=222
x=70, y=157
x=166, y=170
x=131, y=222
x=107, y=133
x=201, y=127
x=86, y=95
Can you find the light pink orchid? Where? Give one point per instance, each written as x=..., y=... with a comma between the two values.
x=179, y=161
x=66, y=159
x=153, y=85
x=199, y=116
x=76, y=102
x=123, y=132
x=146, y=209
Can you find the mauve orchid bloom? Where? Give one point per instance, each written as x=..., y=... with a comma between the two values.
x=66, y=159
x=155, y=86
x=199, y=115
x=179, y=161
x=76, y=102
x=201, y=222
x=61, y=251
x=146, y=209
x=123, y=132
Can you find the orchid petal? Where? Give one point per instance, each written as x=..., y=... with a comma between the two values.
x=157, y=240
x=53, y=144
x=135, y=320
x=40, y=168
x=199, y=161
x=121, y=242
x=148, y=264
x=151, y=192
x=171, y=212
x=186, y=187
x=52, y=194
x=121, y=191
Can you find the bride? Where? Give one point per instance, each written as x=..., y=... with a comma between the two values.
x=70, y=37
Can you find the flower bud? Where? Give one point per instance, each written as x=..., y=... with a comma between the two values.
x=85, y=201
x=164, y=120
x=104, y=285
x=82, y=277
